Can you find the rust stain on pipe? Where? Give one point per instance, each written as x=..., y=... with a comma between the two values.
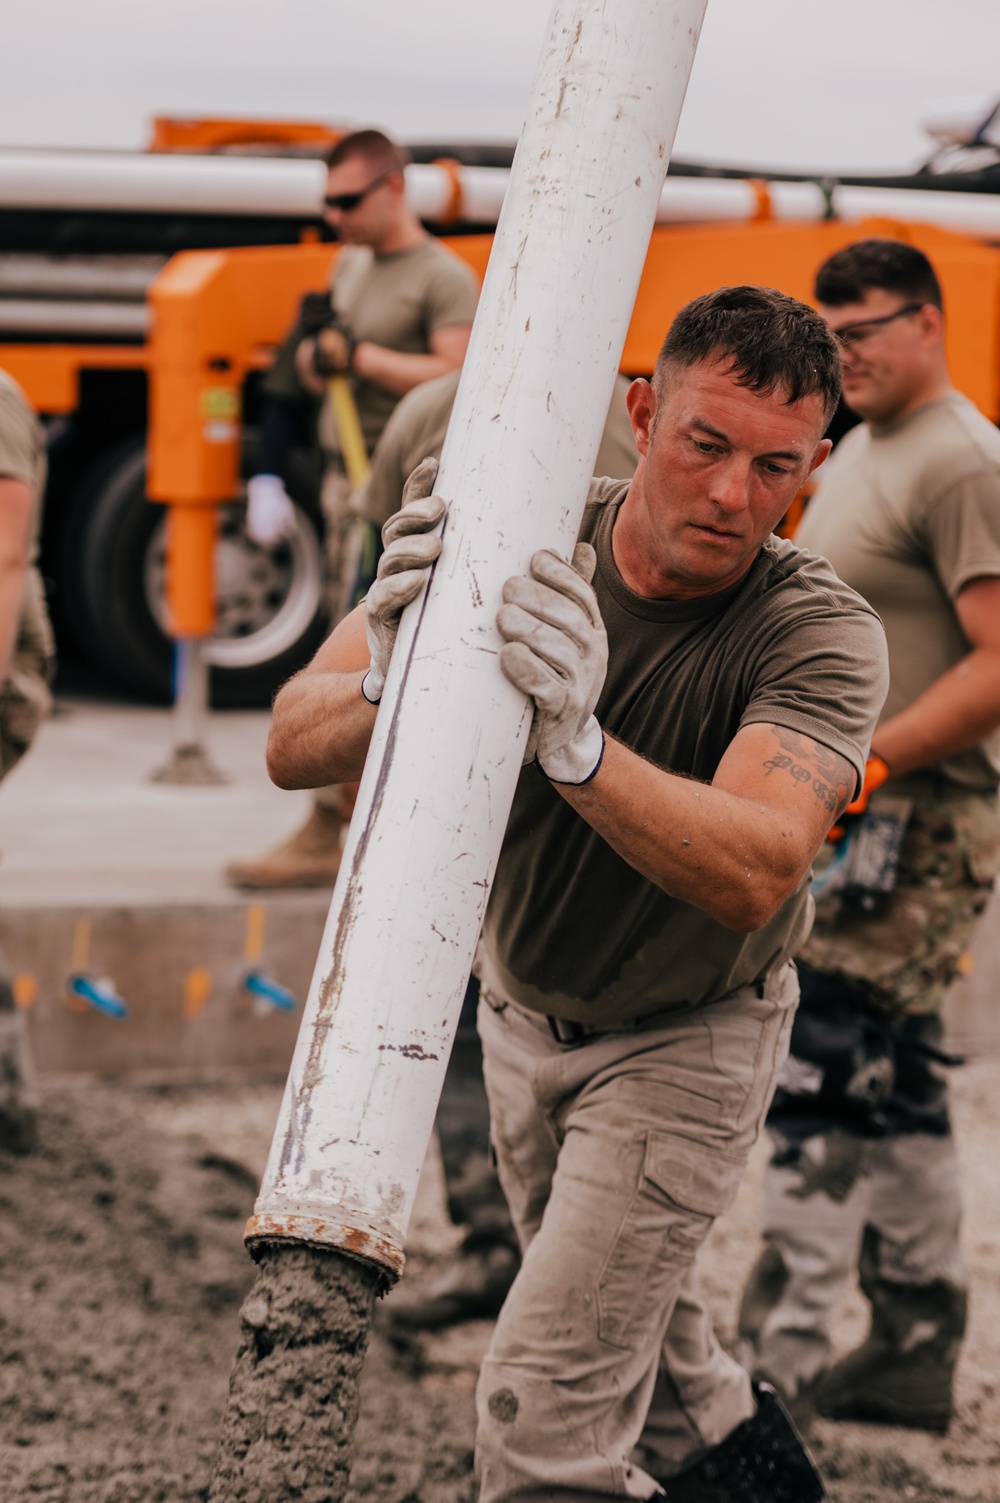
x=361, y=1242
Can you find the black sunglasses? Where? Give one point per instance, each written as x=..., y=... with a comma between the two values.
x=853, y=333
x=345, y=202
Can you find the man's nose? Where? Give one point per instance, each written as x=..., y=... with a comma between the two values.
x=731, y=484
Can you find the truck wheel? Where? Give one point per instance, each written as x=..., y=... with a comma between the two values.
x=270, y=601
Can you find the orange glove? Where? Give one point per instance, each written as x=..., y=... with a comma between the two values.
x=877, y=772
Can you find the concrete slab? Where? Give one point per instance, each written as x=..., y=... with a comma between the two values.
x=108, y=874
x=80, y=817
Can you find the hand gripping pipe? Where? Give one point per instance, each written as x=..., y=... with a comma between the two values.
x=424, y=841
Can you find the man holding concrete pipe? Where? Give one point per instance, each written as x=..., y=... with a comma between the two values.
x=705, y=694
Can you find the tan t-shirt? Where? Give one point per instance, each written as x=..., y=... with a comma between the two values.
x=397, y=301
x=907, y=514
x=571, y=929
x=416, y=431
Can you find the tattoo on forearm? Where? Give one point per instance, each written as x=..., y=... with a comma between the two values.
x=808, y=761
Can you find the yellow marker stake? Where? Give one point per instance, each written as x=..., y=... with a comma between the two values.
x=81, y=945
x=80, y=959
x=25, y=988
x=253, y=946
x=197, y=990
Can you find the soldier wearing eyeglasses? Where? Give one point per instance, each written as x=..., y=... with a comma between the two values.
x=399, y=313
x=864, y=1175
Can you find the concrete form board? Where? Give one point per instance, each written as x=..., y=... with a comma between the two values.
x=180, y=971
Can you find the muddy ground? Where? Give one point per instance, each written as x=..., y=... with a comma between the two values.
x=122, y=1270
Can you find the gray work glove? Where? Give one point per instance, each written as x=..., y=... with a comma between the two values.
x=556, y=651
x=411, y=547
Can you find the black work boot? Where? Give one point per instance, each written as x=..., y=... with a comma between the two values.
x=902, y=1374
x=472, y=1286
x=762, y=1461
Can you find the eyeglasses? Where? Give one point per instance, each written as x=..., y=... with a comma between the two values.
x=345, y=202
x=857, y=333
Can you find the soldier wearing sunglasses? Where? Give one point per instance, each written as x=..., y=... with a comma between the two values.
x=864, y=1175
x=399, y=313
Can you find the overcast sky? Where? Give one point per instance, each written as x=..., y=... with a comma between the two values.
x=797, y=83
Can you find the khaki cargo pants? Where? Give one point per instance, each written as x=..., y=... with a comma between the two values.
x=616, y=1155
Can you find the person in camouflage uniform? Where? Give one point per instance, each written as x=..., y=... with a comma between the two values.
x=864, y=1174
x=27, y=658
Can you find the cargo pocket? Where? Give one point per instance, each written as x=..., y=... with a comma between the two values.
x=683, y=1186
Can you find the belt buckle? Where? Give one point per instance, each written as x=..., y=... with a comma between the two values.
x=566, y=1032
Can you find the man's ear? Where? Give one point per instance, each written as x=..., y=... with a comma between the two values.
x=641, y=402
x=932, y=324
x=822, y=452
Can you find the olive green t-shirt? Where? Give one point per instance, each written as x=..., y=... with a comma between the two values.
x=908, y=513
x=571, y=929
x=417, y=428
x=397, y=301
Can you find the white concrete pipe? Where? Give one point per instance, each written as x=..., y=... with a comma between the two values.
x=406, y=912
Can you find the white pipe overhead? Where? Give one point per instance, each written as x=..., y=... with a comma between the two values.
x=440, y=777
x=136, y=182
x=279, y=187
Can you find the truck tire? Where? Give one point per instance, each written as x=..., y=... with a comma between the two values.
x=270, y=601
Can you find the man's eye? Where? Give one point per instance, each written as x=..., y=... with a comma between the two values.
x=705, y=447
x=776, y=469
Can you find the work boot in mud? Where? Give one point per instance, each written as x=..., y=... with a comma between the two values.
x=309, y=858
x=763, y=1460
x=472, y=1286
x=902, y=1374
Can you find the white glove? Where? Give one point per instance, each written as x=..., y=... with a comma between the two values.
x=556, y=651
x=411, y=547
x=270, y=510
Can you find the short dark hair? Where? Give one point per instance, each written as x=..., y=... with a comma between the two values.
x=379, y=150
x=774, y=343
x=848, y=274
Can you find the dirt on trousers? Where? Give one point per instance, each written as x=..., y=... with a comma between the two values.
x=122, y=1271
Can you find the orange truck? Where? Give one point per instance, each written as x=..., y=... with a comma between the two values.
x=142, y=295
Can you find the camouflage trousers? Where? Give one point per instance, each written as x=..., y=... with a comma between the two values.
x=863, y=1153
x=896, y=1199
x=904, y=955
x=25, y=696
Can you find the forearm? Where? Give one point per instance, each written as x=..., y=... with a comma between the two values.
x=729, y=856
x=321, y=728
x=395, y=371
x=958, y=711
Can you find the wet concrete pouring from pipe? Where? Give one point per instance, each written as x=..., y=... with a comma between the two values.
x=122, y=1273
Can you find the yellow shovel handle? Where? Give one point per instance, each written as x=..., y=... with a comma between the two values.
x=352, y=443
